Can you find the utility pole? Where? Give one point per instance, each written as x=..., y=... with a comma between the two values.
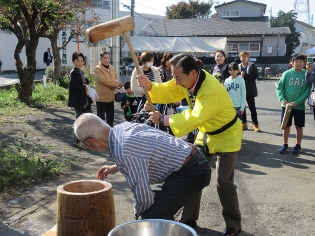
x=132, y=14
x=115, y=39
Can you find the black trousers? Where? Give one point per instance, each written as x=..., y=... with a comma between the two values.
x=252, y=107
x=178, y=189
x=107, y=108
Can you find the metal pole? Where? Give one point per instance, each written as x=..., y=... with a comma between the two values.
x=132, y=32
x=278, y=43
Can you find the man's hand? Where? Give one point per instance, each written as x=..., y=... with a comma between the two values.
x=309, y=67
x=105, y=170
x=155, y=117
x=144, y=82
x=242, y=74
x=285, y=102
x=293, y=104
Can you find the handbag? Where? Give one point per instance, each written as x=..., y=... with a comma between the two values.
x=120, y=94
x=311, y=99
x=92, y=94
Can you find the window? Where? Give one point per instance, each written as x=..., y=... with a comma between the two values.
x=98, y=3
x=254, y=47
x=107, y=5
x=304, y=47
x=232, y=47
x=231, y=13
x=243, y=46
x=238, y=47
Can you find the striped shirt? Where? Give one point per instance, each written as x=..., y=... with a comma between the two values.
x=149, y=73
x=145, y=156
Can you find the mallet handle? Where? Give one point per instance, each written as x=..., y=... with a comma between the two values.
x=135, y=61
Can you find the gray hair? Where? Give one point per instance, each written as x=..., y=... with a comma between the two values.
x=89, y=125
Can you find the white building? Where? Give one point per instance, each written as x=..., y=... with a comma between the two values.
x=103, y=8
x=307, y=37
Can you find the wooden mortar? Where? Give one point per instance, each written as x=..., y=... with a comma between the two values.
x=85, y=207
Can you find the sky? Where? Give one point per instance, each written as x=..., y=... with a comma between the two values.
x=157, y=7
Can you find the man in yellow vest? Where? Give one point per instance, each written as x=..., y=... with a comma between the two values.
x=220, y=132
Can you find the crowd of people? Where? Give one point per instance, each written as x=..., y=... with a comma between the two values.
x=215, y=115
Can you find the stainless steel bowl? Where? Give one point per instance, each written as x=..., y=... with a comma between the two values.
x=154, y=227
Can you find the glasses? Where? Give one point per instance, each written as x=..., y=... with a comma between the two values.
x=82, y=142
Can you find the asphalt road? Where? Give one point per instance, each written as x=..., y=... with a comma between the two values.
x=276, y=192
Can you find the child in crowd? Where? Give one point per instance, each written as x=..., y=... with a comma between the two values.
x=235, y=85
x=249, y=73
x=294, y=89
x=129, y=103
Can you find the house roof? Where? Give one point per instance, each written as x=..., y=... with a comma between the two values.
x=304, y=24
x=236, y=1
x=210, y=27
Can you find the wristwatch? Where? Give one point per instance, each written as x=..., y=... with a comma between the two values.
x=162, y=119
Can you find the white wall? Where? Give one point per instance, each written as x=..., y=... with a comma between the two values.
x=9, y=42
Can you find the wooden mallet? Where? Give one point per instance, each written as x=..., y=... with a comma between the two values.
x=115, y=27
x=286, y=116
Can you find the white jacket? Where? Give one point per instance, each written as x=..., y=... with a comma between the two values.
x=134, y=83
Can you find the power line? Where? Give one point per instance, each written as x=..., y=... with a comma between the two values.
x=129, y=8
x=149, y=7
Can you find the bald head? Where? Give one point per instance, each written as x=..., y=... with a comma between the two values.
x=89, y=125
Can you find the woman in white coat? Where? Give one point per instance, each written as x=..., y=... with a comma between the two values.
x=147, y=68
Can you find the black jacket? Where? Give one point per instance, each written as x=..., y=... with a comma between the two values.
x=77, y=91
x=46, y=57
x=250, y=77
x=224, y=74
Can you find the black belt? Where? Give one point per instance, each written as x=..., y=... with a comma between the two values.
x=223, y=128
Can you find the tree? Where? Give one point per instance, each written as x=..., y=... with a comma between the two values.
x=193, y=9
x=77, y=15
x=28, y=20
x=287, y=20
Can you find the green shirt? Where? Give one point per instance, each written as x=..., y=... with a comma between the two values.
x=293, y=87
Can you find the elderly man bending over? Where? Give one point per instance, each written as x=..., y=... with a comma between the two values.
x=145, y=156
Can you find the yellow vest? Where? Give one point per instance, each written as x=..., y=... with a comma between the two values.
x=212, y=110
